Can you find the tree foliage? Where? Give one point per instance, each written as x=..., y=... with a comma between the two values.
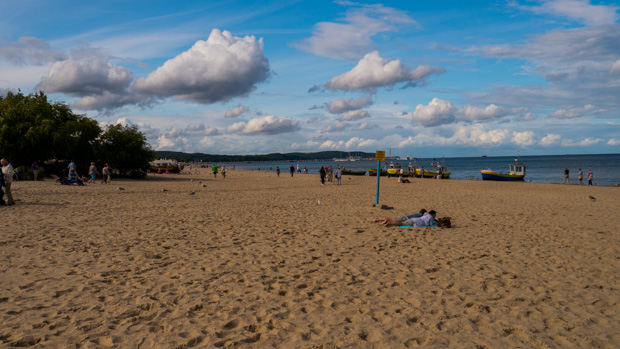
x=32, y=128
x=125, y=149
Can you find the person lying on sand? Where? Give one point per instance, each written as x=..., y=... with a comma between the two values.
x=418, y=220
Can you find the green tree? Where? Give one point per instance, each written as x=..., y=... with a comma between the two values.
x=32, y=128
x=125, y=149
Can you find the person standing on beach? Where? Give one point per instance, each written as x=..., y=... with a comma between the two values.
x=35, y=170
x=566, y=176
x=590, y=177
x=292, y=169
x=214, y=170
x=322, y=173
x=71, y=167
x=105, y=173
x=92, y=173
x=7, y=171
x=338, y=176
x=224, y=172
x=580, y=176
x=2, y=185
x=298, y=169
x=278, y=171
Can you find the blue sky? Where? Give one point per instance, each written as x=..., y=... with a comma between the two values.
x=441, y=78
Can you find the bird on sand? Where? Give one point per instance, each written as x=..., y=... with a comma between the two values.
x=119, y=188
x=192, y=192
x=592, y=198
x=164, y=190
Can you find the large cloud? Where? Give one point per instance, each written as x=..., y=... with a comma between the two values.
x=267, y=125
x=437, y=112
x=85, y=78
x=353, y=37
x=347, y=104
x=216, y=70
x=374, y=71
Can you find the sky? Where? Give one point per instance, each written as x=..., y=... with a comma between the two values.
x=412, y=78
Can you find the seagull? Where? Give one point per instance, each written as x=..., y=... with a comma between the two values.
x=119, y=188
x=164, y=190
x=191, y=180
x=592, y=198
x=204, y=185
x=192, y=192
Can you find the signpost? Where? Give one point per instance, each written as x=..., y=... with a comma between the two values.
x=379, y=156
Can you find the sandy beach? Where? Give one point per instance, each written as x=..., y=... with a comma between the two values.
x=257, y=261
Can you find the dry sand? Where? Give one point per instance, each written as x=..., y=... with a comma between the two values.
x=254, y=261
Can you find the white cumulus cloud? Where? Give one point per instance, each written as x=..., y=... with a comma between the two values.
x=437, y=112
x=472, y=113
x=267, y=125
x=550, y=139
x=215, y=70
x=236, y=111
x=524, y=139
x=374, y=71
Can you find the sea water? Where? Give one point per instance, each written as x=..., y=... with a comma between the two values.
x=540, y=169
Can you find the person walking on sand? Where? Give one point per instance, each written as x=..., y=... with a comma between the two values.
x=7, y=172
x=580, y=176
x=292, y=170
x=566, y=180
x=298, y=169
x=92, y=173
x=224, y=172
x=105, y=173
x=214, y=170
x=278, y=171
x=35, y=170
x=338, y=176
x=590, y=177
x=322, y=173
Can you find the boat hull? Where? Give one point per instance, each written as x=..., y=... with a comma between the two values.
x=354, y=173
x=495, y=176
x=431, y=174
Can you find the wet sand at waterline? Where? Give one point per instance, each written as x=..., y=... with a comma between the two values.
x=257, y=261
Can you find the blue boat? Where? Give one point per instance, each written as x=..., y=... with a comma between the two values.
x=516, y=173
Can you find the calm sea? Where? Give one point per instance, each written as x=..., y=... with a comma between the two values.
x=540, y=169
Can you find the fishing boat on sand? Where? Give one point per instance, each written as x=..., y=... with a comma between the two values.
x=516, y=173
x=433, y=171
x=352, y=173
x=165, y=165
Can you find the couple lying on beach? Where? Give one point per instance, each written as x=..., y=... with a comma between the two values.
x=418, y=220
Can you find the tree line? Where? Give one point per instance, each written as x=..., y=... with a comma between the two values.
x=35, y=129
x=323, y=155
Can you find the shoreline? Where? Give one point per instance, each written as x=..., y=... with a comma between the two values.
x=254, y=260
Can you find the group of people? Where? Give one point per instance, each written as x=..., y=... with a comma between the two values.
x=418, y=220
x=70, y=176
x=214, y=170
x=590, y=176
x=323, y=172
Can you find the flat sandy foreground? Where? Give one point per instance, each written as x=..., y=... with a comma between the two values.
x=256, y=261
